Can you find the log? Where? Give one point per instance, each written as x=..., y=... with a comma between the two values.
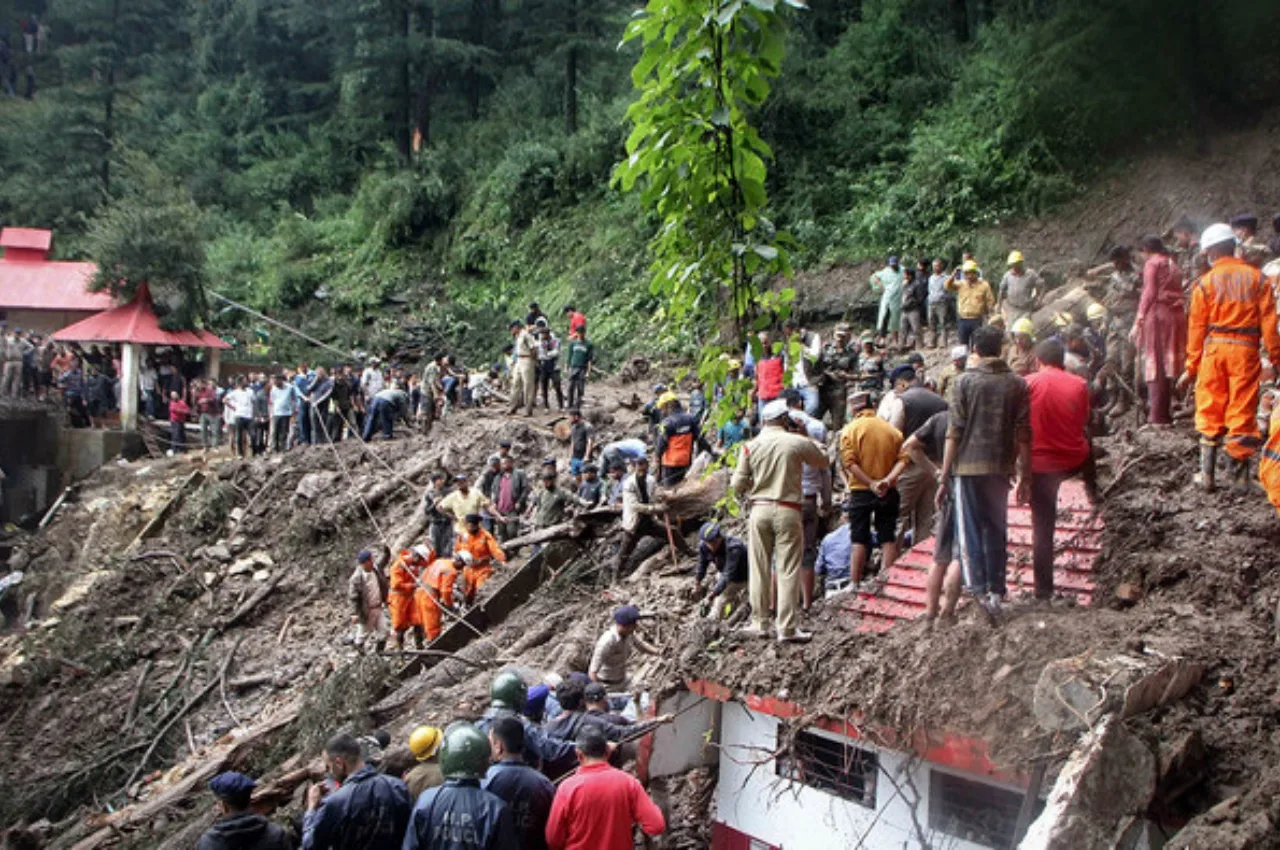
x=279, y=792
x=223, y=754
x=131, y=713
x=252, y=602
x=152, y=528
x=248, y=683
x=571, y=528
x=379, y=493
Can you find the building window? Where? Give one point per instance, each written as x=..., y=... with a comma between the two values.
x=830, y=764
x=973, y=811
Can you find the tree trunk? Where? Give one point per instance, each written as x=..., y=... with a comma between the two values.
x=109, y=103
x=571, y=71
x=404, y=122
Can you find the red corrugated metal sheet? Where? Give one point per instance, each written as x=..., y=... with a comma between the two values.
x=1077, y=542
x=135, y=322
x=38, y=285
x=28, y=238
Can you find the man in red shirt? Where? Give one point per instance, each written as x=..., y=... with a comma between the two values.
x=577, y=321
x=1060, y=449
x=596, y=808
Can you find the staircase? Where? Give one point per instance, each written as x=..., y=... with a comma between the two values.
x=1077, y=541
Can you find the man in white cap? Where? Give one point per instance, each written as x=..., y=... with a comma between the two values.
x=1232, y=307
x=769, y=474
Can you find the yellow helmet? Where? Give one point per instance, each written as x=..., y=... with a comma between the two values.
x=424, y=742
x=969, y=266
x=1062, y=320
x=1015, y=257
x=1024, y=326
x=735, y=363
x=1096, y=311
x=667, y=398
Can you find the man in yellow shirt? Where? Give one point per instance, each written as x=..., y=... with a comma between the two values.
x=974, y=300
x=869, y=449
x=465, y=500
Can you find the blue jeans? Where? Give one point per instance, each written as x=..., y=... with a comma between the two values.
x=982, y=525
x=812, y=400
x=575, y=465
x=965, y=329
x=380, y=413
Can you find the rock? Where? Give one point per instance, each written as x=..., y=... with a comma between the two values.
x=1110, y=777
x=14, y=670
x=262, y=575
x=219, y=552
x=79, y=590
x=209, y=577
x=242, y=567
x=1003, y=673
x=262, y=559
x=315, y=484
x=235, y=516
x=1128, y=593
x=1072, y=693
x=238, y=543
x=19, y=559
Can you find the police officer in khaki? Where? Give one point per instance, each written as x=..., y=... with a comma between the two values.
x=768, y=475
x=524, y=369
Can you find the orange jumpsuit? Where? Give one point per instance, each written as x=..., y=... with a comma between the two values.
x=484, y=551
x=1269, y=466
x=439, y=579
x=405, y=598
x=1232, y=310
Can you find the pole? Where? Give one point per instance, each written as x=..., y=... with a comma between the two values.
x=129, y=356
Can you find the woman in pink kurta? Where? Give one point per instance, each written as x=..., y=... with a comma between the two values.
x=1160, y=330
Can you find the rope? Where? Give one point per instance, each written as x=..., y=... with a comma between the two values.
x=417, y=580
x=343, y=354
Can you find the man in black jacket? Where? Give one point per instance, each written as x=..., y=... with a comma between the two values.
x=238, y=828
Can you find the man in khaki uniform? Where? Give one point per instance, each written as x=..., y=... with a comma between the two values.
x=769, y=475
x=524, y=373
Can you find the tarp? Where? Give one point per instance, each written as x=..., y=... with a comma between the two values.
x=135, y=322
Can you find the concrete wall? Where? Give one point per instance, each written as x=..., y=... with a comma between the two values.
x=753, y=800
x=690, y=742
x=29, y=440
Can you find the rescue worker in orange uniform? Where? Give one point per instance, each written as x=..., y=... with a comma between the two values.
x=1232, y=310
x=484, y=550
x=439, y=579
x=679, y=438
x=407, y=594
x=1269, y=465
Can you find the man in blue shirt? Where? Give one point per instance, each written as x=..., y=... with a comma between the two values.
x=527, y=793
x=368, y=809
x=832, y=564
x=729, y=554
x=302, y=383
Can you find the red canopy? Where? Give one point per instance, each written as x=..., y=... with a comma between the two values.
x=135, y=322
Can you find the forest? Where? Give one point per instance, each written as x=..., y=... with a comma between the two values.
x=358, y=166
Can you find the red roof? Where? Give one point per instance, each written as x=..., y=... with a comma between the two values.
x=135, y=322
x=29, y=238
x=38, y=285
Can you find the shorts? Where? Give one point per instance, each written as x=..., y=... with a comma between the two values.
x=576, y=464
x=865, y=508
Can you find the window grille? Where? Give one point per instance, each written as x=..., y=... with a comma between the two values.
x=832, y=765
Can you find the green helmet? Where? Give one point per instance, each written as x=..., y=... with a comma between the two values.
x=465, y=752
x=508, y=691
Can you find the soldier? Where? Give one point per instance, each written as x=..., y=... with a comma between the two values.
x=769, y=473
x=460, y=815
x=838, y=367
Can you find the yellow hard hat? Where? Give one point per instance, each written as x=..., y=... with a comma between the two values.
x=969, y=266
x=1015, y=257
x=1062, y=320
x=1024, y=326
x=667, y=398
x=424, y=742
x=735, y=363
x=1096, y=311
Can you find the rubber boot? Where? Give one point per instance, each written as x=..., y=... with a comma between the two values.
x=1208, y=466
x=1240, y=475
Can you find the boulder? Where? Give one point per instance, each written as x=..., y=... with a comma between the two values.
x=315, y=484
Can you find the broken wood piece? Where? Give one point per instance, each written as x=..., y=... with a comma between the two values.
x=152, y=528
x=131, y=713
x=284, y=629
x=248, y=683
x=181, y=713
x=252, y=602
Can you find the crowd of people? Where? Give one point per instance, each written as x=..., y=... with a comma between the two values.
x=538, y=770
x=866, y=430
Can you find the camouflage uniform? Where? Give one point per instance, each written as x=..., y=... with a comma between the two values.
x=837, y=365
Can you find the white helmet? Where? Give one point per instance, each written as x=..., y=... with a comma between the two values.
x=1216, y=234
x=464, y=558
x=423, y=551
